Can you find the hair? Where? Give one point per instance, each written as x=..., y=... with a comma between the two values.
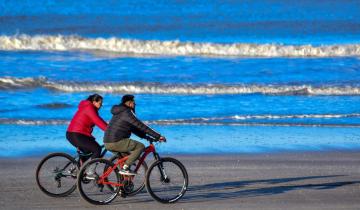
x=127, y=98
x=94, y=97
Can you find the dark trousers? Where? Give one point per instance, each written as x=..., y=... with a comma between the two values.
x=85, y=143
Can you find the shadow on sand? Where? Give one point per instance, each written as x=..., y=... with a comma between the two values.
x=236, y=189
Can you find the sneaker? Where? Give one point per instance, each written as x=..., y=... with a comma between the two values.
x=127, y=171
x=91, y=172
x=73, y=171
x=90, y=176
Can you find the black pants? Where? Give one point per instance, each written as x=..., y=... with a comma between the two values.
x=85, y=144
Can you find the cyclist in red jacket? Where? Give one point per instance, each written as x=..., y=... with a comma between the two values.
x=81, y=125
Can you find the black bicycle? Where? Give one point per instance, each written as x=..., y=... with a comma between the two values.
x=57, y=172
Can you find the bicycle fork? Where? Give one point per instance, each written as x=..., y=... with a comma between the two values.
x=163, y=176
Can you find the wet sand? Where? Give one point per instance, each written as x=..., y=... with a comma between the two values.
x=318, y=180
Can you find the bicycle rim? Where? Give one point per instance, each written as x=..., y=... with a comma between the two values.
x=56, y=175
x=90, y=187
x=167, y=180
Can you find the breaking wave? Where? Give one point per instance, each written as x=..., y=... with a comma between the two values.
x=260, y=117
x=171, y=48
x=11, y=83
x=236, y=120
x=275, y=124
x=7, y=121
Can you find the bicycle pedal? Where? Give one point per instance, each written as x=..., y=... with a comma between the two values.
x=122, y=194
x=101, y=188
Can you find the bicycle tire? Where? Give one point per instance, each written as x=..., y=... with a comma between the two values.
x=55, y=175
x=151, y=173
x=82, y=183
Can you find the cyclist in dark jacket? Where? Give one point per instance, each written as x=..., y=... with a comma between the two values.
x=122, y=124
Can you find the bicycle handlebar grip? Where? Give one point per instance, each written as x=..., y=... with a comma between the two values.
x=149, y=138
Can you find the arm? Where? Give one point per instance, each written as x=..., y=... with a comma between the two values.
x=140, y=128
x=94, y=116
x=138, y=133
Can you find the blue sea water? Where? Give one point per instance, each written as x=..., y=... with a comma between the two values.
x=211, y=76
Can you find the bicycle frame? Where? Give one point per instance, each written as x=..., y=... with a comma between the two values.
x=120, y=162
x=110, y=181
x=81, y=154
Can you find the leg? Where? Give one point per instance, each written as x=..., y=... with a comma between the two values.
x=93, y=147
x=84, y=143
x=127, y=145
x=135, y=148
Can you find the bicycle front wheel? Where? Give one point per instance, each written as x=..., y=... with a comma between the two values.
x=167, y=180
x=98, y=184
x=56, y=174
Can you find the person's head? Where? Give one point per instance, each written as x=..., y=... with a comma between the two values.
x=129, y=101
x=96, y=100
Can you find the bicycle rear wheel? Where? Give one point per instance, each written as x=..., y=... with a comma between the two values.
x=167, y=180
x=92, y=188
x=56, y=174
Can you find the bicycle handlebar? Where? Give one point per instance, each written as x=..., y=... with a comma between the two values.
x=151, y=139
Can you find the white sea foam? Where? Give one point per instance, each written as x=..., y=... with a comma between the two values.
x=172, y=47
x=205, y=121
x=33, y=122
x=243, y=120
x=296, y=116
x=21, y=83
x=274, y=124
x=262, y=117
x=187, y=89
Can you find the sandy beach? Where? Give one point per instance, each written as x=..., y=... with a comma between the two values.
x=317, y=180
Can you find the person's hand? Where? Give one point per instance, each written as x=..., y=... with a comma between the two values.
x=162, y=139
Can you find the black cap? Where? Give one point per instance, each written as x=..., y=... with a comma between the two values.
x=127, y=98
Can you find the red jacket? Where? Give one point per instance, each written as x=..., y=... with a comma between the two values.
x=85, y=119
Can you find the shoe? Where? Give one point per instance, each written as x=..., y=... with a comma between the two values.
x=73, y=171
x=91, y=172
x=127, y=172
x=90, y=176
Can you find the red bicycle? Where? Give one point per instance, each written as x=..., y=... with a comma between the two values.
x=166, y=179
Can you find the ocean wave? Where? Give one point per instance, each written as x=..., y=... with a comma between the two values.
x=274, y=124
x=259, y=117
x=7, y=121
x=8, y=83
x=171, y=48
x=236, y=120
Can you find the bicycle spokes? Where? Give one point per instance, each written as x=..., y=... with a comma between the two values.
x=98, y=183
x=167, y=180
x=56, y=175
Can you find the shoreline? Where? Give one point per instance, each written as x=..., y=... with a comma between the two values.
x=209, y=154
x=304, y=180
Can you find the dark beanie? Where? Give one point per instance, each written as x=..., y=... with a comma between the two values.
x=127, y=98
